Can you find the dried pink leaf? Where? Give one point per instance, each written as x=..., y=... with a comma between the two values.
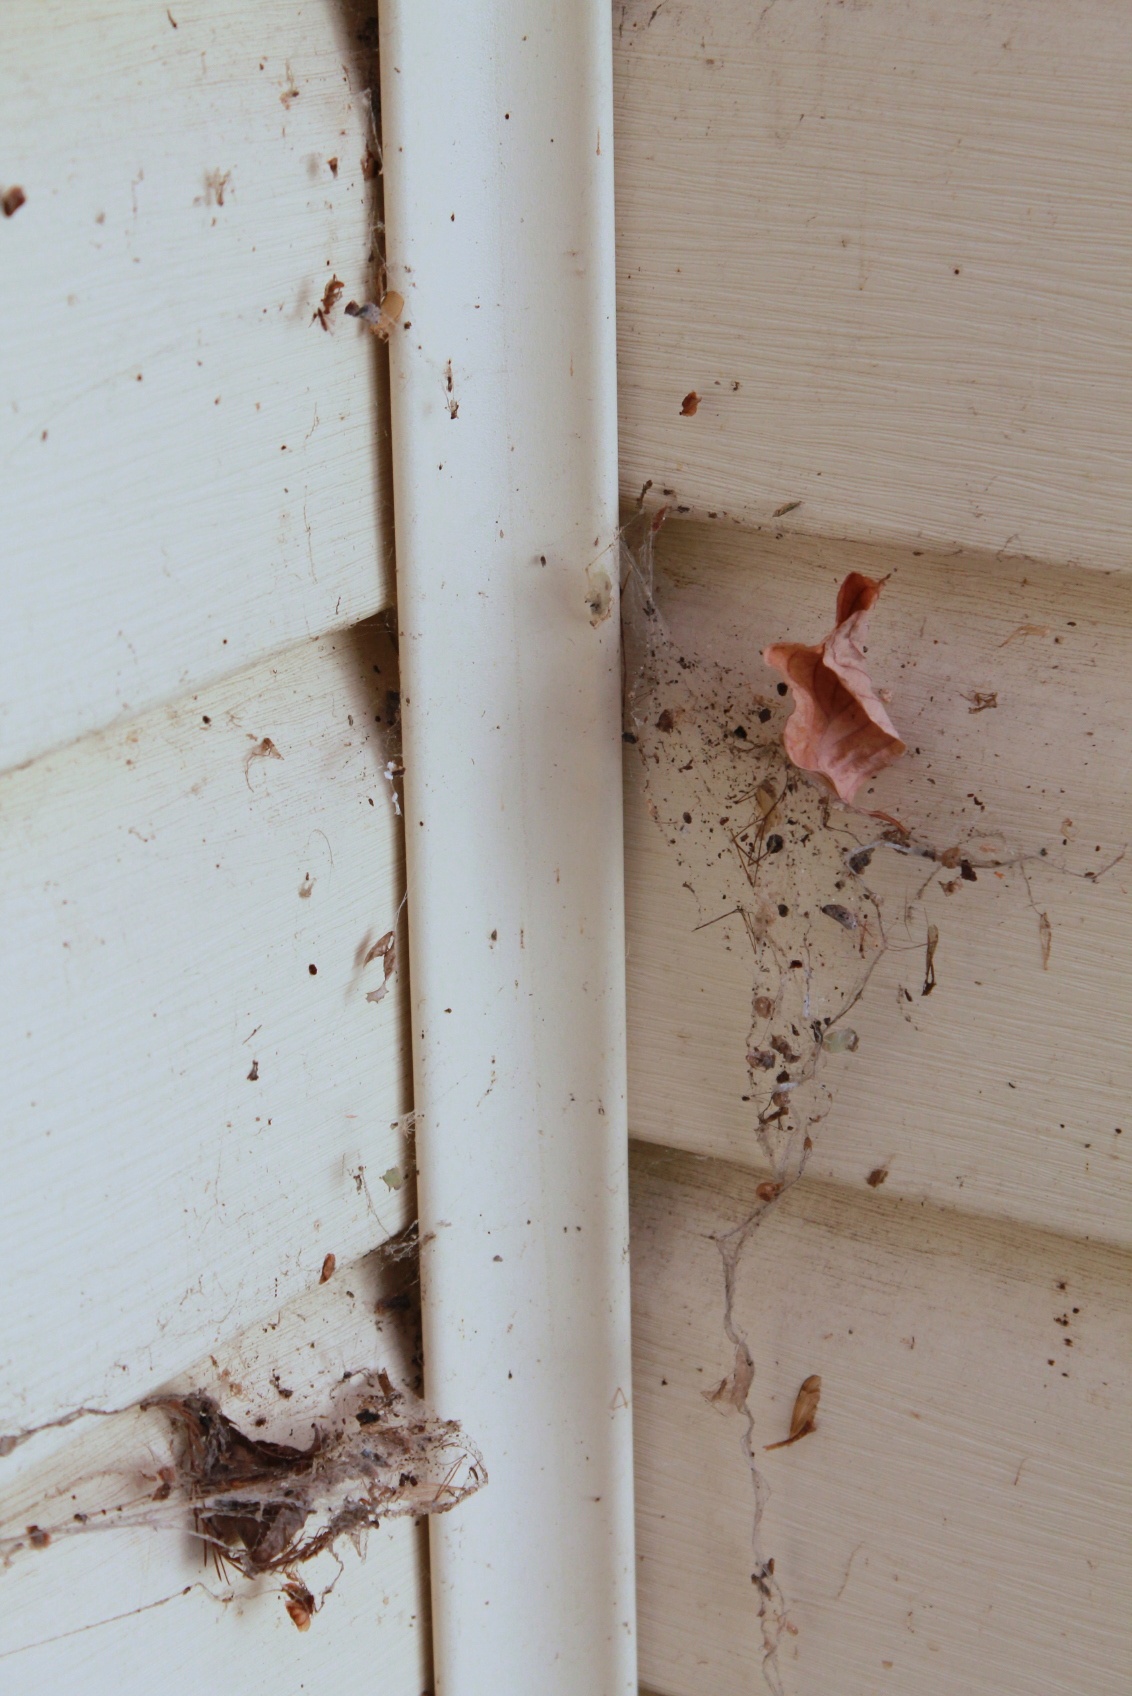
x=839, y=727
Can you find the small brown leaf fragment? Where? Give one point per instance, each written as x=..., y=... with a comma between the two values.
x=876, y=1177
x=330, y=295
x=690, y=405
x=735, y=1388
x=300, y=1604
x=263, y=750
x=1045, y=938
x=840, y=727
x=804, y=1418
x=980, y=702
x=950, y=857
x=328, y=1267
x=788, y=506
x=380, y=948
x=11, y=200
x=385, y=950
x=929, y=959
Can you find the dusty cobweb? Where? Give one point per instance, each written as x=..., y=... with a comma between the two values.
x=782, y=871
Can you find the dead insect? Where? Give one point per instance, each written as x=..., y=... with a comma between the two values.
x=330, y=295
x=300, y=1604
x=263, y=750
x=803, y=1420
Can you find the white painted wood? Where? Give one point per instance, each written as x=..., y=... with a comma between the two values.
x=888, y=246
x=116, y=1610
x=191, y=470
x=958, y=1523
x=1003, y=1091
x=500, y=207
x=192, y=1116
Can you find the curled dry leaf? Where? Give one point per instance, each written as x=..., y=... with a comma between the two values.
x=839, y=727
x=385, y=950
x=1045, y=938
x=804, y=1418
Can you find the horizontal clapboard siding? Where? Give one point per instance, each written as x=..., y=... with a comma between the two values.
x=100, y=1611
x=188, y=1103
x=1005, y=1091
x=870, y=273
x=957, y=1524
x=193, y=470
x=887, y=246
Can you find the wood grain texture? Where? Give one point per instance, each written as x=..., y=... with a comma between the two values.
x=193, y=470
x=957, y=1523
x=120, y=1604
x=1005, y=1090
x=887, y=245
x=199, y=1098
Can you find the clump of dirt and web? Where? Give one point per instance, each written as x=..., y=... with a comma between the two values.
x=266, y=1473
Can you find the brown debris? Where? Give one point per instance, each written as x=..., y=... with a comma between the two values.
x=267, y=1507
x=690, y=405
x=11, y=200
x=787, y=506
x=980, y=702
x=263, y=750
x=330, y=295
x=328, y=1269
x=929, y=959
x=1045, y=938
x=840, y=727
x=300, y=1604
x=380, y=320
x=735, y=1388
x=876, y=1177
x=385, y=950
x=803, y=1420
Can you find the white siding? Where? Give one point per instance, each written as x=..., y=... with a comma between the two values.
x=886, y=245
x=200, y=1103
